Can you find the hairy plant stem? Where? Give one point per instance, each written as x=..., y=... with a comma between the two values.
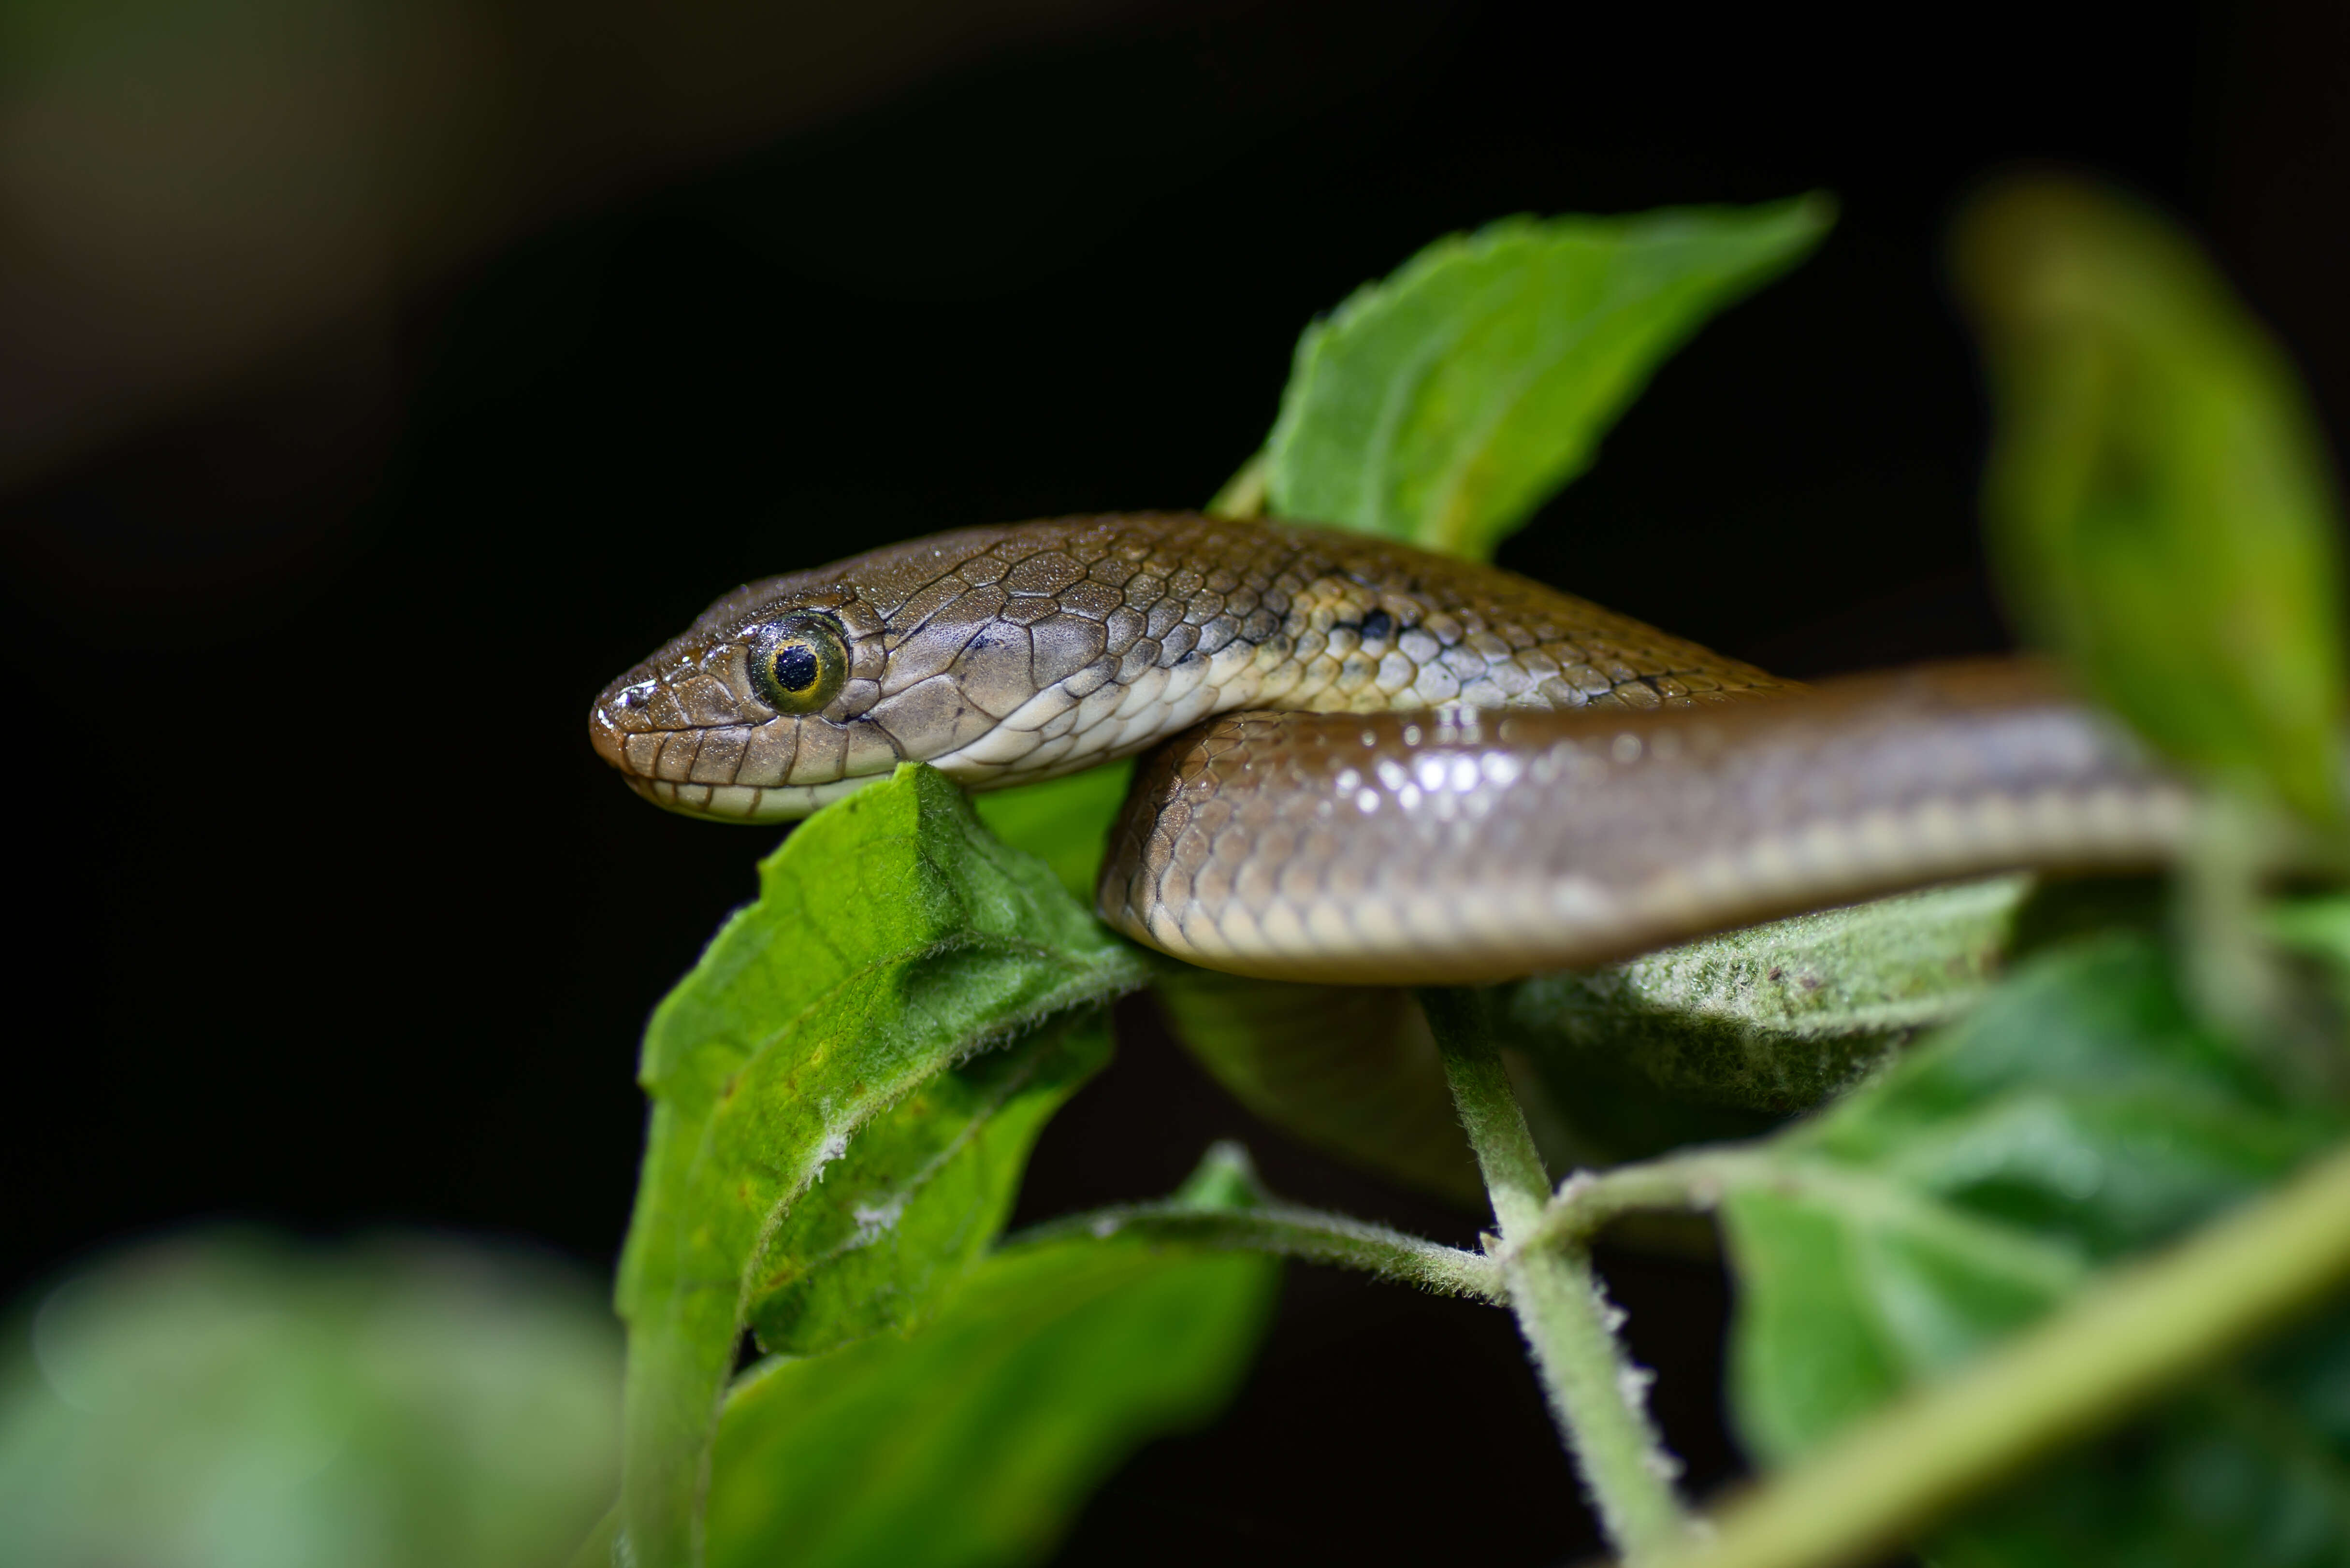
x=1291, y=1231
x=1596, y=1395
x=1683, y=1183
x=2135, y=1333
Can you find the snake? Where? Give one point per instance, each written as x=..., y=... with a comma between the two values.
x=1370, y=763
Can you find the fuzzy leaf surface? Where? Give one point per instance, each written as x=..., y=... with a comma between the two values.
x=892, y=939
x=1775, y=1017
x=889, y=1231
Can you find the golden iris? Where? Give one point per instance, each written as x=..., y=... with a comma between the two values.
x=799, y=664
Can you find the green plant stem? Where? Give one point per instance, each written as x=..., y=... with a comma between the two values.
x=1311, y=1234
x=1683, y=1183
x=2139, y=1331
x=1595, y=1392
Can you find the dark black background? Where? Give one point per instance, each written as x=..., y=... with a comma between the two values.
x=325, y=914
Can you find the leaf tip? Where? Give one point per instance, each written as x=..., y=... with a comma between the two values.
x=1224, y=1179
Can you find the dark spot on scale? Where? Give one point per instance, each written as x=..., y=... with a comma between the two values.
x=1377, y=625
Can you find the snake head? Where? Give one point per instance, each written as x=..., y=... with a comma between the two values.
x=789, y=693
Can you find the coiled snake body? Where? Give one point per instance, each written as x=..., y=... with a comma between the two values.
x=1373, y=764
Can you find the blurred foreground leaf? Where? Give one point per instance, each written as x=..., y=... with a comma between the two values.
x=2318, y=930
x=2081, y=1115
x=2157, y=493
x=2251, y=1469
x=226, y=1401
x=975, y=1442
x=1445, y=403
x=893, y=940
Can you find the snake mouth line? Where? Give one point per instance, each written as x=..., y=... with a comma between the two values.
x=753, y=805
x=697, y=771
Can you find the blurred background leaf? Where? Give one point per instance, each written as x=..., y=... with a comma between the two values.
x=229, y=1400
x=1444, y=404
x=2081, y=1115
x=2158, y=495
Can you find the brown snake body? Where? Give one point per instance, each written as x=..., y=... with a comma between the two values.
x=1415, y=770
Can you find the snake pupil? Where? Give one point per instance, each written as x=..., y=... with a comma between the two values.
x=795, y=667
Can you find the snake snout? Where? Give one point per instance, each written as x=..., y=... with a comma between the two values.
x=690, y=731
x=605, y=736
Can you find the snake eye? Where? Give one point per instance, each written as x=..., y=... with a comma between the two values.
x=799, y=663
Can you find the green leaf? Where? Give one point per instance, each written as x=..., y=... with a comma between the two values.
x=2081, y=1115
x=888, y=1232
x=1444, y=404
x=893, y=939
x=1066, y=821
x=1350, y=1070
x=228, y=1401
x=975, y=1442
x=1698, y=1043
x=2157, y=495
x=1777, y=1017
